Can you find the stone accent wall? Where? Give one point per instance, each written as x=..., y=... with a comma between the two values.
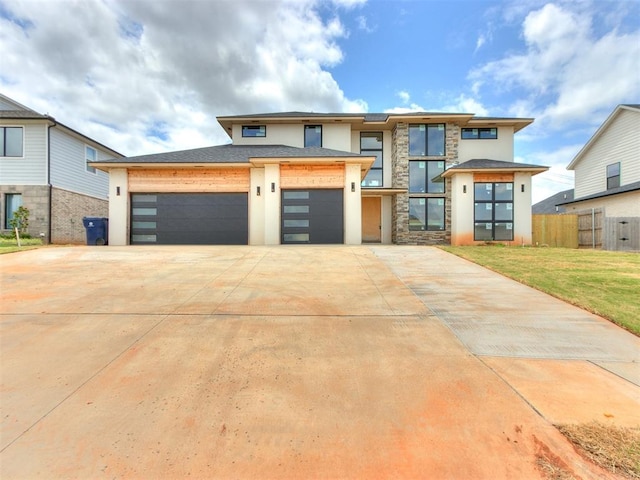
x=68, y=209
x=36, y=199
x=400, y=205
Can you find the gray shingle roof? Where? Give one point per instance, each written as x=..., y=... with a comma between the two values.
x=21, y=114
x=630, y=187
x=549, y=205
x=485, y=163
x=233, y=154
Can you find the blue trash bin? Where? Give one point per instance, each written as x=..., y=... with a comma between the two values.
x=97, y=230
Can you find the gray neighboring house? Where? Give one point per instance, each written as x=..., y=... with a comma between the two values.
x=550, y=205
x=44, y=167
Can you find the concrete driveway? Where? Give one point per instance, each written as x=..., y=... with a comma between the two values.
x=295, y=362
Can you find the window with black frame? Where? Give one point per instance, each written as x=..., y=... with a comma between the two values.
x=613, y=175
x=493, y=211
x=313, y=135
x=371, y=145
x=426, y=212
x=427, y=140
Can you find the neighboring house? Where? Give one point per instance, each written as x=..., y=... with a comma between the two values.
x=44, y=167
x=415, y=178
x=607, y=169
x=549, y=206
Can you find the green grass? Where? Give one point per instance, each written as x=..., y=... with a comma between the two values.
x=605, y=283
x=9, y=245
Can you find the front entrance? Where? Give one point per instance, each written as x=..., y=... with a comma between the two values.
x=371, y=220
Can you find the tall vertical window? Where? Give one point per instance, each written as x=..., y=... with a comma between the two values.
x=613, y=175
x=90, y=155
x=12, y=202
x=313, y=135
x=493, y=211
x=11, y=141
x=371, y=145
x=427, y=140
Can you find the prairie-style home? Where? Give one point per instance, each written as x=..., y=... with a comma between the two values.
x=44, y=167
x=416, y=178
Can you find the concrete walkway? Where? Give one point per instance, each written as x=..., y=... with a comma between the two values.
x=294, y=362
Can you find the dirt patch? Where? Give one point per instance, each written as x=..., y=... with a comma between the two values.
x=616, y=449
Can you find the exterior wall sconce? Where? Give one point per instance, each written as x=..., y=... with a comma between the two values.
x=353, y=186
x=273, y=187
x=464, y=189
x=118, y=191
x=522, y=187
x=258, y=190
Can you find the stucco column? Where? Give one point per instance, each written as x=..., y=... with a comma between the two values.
x=522, y=234
x=118, y=206
x=272, y=204
x=352, y=206
x=462, y=209
x=257, y=193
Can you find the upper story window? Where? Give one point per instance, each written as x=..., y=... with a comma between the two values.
x=11, y=141
x=424, y=177
x=479, y=133
x=90, y=155
x=313, y=135
x=427, y=140
x=613, y=175
x=254, y=130
x=371, y=145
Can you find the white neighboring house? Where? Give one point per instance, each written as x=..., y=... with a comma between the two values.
x=44, y=167
x=607, y=176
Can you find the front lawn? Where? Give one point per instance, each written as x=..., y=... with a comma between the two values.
x=605, y=283
x=8, y=245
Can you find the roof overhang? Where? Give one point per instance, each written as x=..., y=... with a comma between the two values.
x=105, y=167
x=377, y=192
x=533, y=170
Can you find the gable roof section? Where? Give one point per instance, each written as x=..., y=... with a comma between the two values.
x=229, y=154
x=630, y=187
x=600, y=131
x=21, y=115
x=549, y=204
x=488, y=165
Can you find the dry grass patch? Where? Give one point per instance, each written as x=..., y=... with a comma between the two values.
x=614, y=448
x=552, y=471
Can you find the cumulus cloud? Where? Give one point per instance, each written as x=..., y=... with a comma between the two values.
x=566, y=61
x=145, y=76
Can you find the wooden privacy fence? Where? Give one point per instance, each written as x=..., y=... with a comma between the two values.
x=622, y=233
x=555, y=230
x=590, y=228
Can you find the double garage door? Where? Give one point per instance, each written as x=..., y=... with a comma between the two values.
x=307, y=216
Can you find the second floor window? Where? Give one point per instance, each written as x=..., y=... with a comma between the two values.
x=254, y=130
x=424, y=177
x=313, y=135
x=427, y=140
x=371, y=145
x=91, y=155
x=613, y=175
x=11, y=142
x=479, y=133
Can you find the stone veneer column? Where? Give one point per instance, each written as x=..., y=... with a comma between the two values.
x=400, y=176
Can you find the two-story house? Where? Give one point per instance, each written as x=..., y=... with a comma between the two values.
x=44, y=167
x=415, y=178
x=607, y=168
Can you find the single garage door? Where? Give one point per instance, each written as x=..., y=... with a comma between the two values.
x=190, y=219
x=312, y=216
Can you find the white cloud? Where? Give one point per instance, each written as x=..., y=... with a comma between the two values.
x=404, y=96
x=118, y=70
x=464, y=104
x=569, y=69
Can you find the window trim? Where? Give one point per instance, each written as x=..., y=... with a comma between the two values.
x=373, y=168
x=4, y=135
x=426, y=139
x=261, y=128
x=612, y=177
x=309, y=127
x=478, y=135
x=89, y=168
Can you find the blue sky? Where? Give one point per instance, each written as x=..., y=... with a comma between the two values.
x=148, y=76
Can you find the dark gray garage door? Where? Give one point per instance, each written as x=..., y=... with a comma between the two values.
x=312, y=216
x=190, y=219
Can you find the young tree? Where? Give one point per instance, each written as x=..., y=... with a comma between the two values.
x=20, y=220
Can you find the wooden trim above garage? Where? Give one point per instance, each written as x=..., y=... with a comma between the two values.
x=219, y=180
x=311, y=176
